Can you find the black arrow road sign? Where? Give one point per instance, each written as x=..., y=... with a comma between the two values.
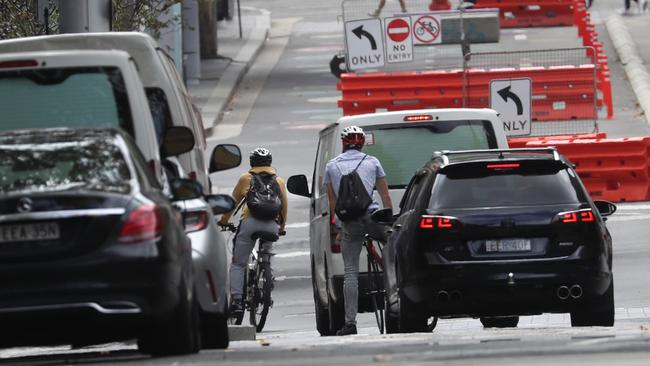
x=359, y=32
x=505, y=93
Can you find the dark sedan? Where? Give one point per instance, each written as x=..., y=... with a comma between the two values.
x=495, y=234
x=91, y=249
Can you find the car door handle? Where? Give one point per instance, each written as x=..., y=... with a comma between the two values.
x=397, y=226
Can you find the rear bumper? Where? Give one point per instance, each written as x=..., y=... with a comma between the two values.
x=110, y=300
x=507, y=289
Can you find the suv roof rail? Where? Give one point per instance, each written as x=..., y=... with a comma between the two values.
x=444, y=154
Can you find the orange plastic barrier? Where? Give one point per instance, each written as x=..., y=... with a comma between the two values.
x=517, y=142
x=612, y=169
x=559, y=93
x=587, y=31
x=531, y=13
x=439, y=5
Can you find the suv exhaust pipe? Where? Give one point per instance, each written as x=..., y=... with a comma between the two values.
x=443, y=296
x=563, y=293
x=575, y=291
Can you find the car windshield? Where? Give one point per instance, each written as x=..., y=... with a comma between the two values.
x=89, y=165
x=509, y=188
x=64, y=97
x=403, y=149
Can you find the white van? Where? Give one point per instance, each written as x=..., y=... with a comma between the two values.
x=169, y=101
x=77, y=89
x=402, y=141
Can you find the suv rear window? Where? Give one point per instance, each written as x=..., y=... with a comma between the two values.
x=64, y=97
x=474, y=187
x=403, y=148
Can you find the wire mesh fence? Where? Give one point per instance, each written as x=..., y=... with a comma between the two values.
x=564, y=93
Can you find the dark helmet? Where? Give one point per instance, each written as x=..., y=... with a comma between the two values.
x=353, y=137
x=261, y=157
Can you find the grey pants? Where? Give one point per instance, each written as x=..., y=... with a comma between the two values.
x=243, y=246
x=351, y=243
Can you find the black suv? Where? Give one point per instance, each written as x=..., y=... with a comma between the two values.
x=495, y=234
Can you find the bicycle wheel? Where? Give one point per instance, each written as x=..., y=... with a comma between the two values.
x=375, y=290
x=261, y=300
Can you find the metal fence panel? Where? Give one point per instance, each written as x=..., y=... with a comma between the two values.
x=564, y=94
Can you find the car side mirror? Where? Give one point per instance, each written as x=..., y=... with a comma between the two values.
x=297, y=184
x=383, y=216
x=185, y=189
x=220, y=203
x=225, y=156
x=605, y=208
x=177, y=140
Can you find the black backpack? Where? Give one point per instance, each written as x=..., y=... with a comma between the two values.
x=263, y=197
x=353, y=200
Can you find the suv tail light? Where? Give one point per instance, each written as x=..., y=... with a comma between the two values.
x=428, y=222
x=195, y=221
x=570, y=217
x=142, y=224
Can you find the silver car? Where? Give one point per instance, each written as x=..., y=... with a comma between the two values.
x=209, y=254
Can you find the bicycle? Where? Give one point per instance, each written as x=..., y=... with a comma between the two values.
x=376, y=290
x=258, y=281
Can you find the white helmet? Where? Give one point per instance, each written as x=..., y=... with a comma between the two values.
x=353, y=137
x=260, y=157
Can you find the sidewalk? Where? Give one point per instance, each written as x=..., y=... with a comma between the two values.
x=630, y=37
x=220, y=76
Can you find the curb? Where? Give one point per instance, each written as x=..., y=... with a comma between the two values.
x=241, y=333
x=635, y=70
x=235, y=71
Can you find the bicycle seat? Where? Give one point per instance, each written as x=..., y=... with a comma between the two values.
x=265, y=236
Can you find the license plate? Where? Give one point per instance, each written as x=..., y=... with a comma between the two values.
x=29, y=232
x=507, y=245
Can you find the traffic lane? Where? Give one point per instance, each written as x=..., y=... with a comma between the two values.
x=631, y=248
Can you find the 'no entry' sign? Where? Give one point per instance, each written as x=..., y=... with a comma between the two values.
x=399, y=43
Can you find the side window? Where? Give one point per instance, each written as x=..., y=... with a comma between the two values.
x=160, y=112
x=325, y=154
x=412, y=192
x=144, y=174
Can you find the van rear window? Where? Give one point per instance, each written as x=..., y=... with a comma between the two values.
x=64, y=97
x=403, y=148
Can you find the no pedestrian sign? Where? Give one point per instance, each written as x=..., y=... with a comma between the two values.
x=426, y=29
x=512, y=99
x=364, y=44
x=399, y=44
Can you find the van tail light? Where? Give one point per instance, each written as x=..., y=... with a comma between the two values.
x=18, y=63
x=142, y=224
x=571, y=217
x=428, y=222
x=152, y=166
x=195, y=221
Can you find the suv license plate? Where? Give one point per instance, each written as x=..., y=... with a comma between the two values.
x=507, y=245
x=29, y=232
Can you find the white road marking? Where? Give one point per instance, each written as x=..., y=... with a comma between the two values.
x=304, y=253
x=632, y=206
x=628, y=218
x=324, y=100
x=297, y=225
x=520, y=37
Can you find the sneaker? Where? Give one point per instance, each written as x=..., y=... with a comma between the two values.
x=624, y=12
x=347, y=329
x=375, y=13
x=237, y=307
x=404, y=10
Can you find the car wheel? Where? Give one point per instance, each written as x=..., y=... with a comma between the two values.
x=335, y=310
x=177, y=334
x=410, y=318
x=500, y=322
x=322, y=315
x=599, y=313
x=214, y=330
